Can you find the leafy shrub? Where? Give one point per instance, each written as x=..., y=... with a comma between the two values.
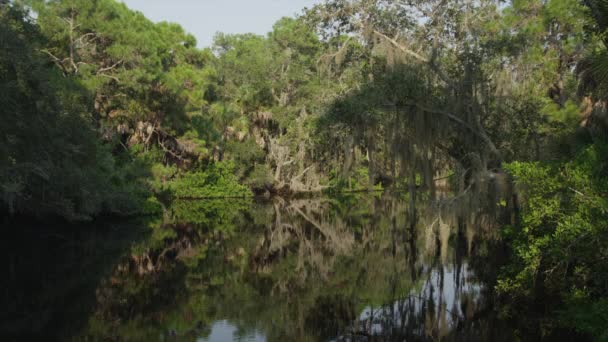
x=217, y=180
x=559, y=249
x=358, y=180
x=260, y=177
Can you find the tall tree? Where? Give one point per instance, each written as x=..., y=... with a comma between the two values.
x=51, y=159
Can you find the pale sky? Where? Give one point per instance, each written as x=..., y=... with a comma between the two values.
x=203, y=18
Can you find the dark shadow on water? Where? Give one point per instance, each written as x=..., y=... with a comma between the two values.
x=51, y=273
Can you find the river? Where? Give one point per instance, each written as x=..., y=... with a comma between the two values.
x=360, y=267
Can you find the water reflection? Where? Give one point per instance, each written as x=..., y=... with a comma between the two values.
x=342, y=269
x=226, y=331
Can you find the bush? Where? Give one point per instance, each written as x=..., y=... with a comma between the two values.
x=559, y=249
x=217, y=181
x=260, y=177
x=358, y=180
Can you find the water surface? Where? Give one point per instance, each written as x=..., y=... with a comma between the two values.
x=354, y=268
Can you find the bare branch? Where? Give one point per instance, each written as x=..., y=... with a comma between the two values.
x=301, y=174
x=55, y=58
x=110, y=76
x=102, y=70
x=577, y=192
x=332, y=55
x=416, y=55
x=57, y=61
x=401, y=47
x=86, y=35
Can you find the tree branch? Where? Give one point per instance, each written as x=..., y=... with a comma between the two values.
x=401, y=47
x=100, y=71
x=110, y=76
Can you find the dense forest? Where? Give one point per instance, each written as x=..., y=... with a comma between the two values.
x=105, y=113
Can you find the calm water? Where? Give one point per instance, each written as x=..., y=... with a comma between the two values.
x=359, y=268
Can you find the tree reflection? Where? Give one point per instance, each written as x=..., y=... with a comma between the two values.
x=358, y=267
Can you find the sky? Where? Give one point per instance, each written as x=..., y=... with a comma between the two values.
x=203, y=18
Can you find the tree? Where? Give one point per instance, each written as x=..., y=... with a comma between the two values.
x=51, y=159
x=146, y=80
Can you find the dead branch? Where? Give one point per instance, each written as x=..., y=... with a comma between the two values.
x=401, y=47
x=110, y=76
x=102, y=70
x=332, y=55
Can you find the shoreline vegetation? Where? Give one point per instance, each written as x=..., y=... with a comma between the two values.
x=107, y=114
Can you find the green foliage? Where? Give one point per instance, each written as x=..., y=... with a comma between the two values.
x=214, y=214
x=559, y=248
x=217, y=180
x=357, y=180
x=244, y=155
x=260, y=177
x=588, y=315
x=137, y=70
x=151, y=206
x=52, y=160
